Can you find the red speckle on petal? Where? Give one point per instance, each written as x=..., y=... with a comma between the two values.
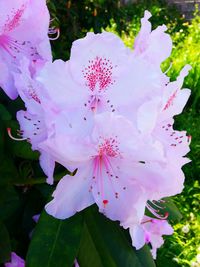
x=105, y=202
x=14, y=21
x=170, y=100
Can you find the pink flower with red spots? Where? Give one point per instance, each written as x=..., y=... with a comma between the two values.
x=104, y=157
x=108, y=114
x=17, y=41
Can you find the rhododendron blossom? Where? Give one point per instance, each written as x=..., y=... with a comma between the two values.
x=108, y=114
x=105, y=78
x=17, y=41
x=105, y=165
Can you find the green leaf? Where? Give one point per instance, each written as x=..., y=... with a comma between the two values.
x=8, y=171
x=4, y=114
x=23, y=150
x=9, y=201
x=145, y=257
x=104, y=244
x=5, y=248
x=55, y=242
x=172, y=210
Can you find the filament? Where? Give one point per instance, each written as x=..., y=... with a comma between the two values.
x=15, y=138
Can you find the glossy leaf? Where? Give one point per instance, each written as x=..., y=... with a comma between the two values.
x=104, y=244
x=55, y=242
x=9, y=201
x=4, y=114
x=8, y=171
x=171, y=208
x=145, y=257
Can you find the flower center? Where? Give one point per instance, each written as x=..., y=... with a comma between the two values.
x=109, y=147
x=104, y=170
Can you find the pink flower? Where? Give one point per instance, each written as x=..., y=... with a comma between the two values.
x=155, y=121
x=16, y=261
x=17, y=40
x=104, y=157
x=105, y=77
x=107, y=112
x=33, y=122
x=155, y=46
x=150, y=231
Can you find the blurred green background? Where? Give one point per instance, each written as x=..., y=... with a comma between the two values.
x=75, y=18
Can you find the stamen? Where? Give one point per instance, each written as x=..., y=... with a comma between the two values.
x=155, y=213
x=53, y=31
x=146, y=221
x=155, y=204
x=14, y=138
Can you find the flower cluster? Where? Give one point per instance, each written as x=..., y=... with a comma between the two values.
x=107, y=113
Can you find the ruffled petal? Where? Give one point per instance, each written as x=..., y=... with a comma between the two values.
x=72, y=194
x=154, y=46
x=175, y=98
x=138, y=236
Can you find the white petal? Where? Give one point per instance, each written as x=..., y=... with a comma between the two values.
x=72, y=195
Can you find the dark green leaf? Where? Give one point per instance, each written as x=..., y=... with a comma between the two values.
x=172, y=210
x=55, y=242
x=145, y=257
x=5, y=248
x=4, y=114
x=8, y=171
x=104, y=244
x=9, y=201
x=23, y=150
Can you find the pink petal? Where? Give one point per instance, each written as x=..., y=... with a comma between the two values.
x=138, y=236
x=71, y=195
x=154, y=46
x=48, y=165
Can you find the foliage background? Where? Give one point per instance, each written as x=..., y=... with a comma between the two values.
x=23, y=191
